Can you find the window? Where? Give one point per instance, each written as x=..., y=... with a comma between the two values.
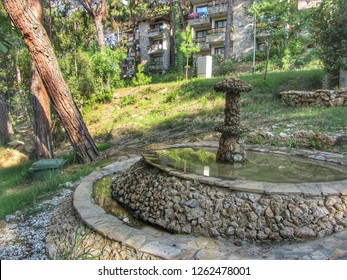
x=157, y=60
x=201, y=34
x=158, y=26
x=157, y=42
x=219, y=51
x=201, y=11
x=220, y=25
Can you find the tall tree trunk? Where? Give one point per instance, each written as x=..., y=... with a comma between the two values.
x=5, y=125
x=227, y=45
x=97, y=12
x=42, y=117
x=268, y=48
x=42, y=110
x=172, y=32
x=41, y=50
x=99, y=31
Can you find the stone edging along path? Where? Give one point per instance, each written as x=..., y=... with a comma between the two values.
x=165, y=245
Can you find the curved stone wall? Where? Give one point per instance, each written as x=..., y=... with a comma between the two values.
x=191, y=206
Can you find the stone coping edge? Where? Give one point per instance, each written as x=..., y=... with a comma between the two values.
x=315, y=189
x=148, y=239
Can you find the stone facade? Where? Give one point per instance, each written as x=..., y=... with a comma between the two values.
x=329, y=98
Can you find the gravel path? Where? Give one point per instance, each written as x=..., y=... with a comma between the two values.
x=22, y=234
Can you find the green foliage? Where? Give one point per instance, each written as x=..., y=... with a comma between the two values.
x=9, y=37
x=170, y=76
x=127, y=100
x=330, y=29
x=93, y=75
x=187, y=47
x=141, y=78
x=223, y=67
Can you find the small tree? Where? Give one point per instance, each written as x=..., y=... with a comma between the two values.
x=188, y=47
x=330, y=30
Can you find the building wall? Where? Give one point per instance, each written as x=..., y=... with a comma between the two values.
x=243, y=30
x=144, y=42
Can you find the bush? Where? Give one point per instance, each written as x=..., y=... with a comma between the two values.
x=92, y=75
x=223, y=67
x=140, y=77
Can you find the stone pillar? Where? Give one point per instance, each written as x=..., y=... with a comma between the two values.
x=229, y=148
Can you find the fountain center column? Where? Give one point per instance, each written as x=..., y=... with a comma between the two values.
x=230, y=149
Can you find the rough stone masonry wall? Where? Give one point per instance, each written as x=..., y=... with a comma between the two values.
x=187, y=206
x=69, y=238
x=329, y=98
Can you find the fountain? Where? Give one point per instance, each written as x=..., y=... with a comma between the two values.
x=212, y=190
x=179, y=202
x=229, y=148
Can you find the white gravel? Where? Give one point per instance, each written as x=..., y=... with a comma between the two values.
x=23, y=235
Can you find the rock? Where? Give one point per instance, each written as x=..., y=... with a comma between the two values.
x=187, y=229
x=320, y=212
x=304, y=233
x=193, y=214
x=238, y=243
x=287, y=233
x=192, y=203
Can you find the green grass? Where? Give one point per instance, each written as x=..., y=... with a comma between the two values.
x=153, y=110
x=21, y=191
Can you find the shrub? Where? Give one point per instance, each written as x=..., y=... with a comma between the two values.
x=140, y=77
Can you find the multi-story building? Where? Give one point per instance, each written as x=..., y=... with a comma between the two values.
x=208, y=22
x=151, y=44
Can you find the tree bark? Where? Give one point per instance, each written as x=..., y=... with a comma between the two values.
x=5, y=125
x=97, y=13
x=268, y=48
x=42, y=117
x=227, y=45
x=41, y=50
x=100, y=32
x=42, y=110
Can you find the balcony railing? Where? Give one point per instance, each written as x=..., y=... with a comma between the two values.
x=198, y=19
x=202, y=43
x=156, y=65
x=156, y=32
x=154, y=49
x=217, y=9
x=196, y=2
x=215, y=35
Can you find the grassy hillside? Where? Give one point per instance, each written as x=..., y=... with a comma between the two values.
x=171, y=111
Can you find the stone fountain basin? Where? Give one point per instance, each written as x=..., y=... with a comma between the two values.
x=246, y=209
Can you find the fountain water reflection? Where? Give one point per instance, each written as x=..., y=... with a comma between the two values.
x=266, y=167
x=102, y=197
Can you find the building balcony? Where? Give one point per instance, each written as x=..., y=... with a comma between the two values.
x=156, y=66
x=155, y=49
x=216, y=35
x=199, y=20
x=197, y=2
x=217, y=9
x=204, y=46
x=156, y=32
